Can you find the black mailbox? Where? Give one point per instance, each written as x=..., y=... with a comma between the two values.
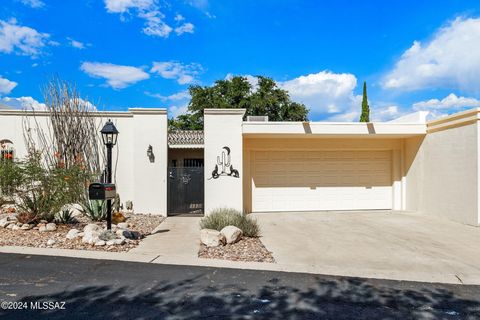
x=101, y=191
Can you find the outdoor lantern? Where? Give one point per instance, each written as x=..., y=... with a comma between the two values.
x=109, y=133
x=109, y=136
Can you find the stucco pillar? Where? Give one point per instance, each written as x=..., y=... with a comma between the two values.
x=150, y=175
x=223, y=159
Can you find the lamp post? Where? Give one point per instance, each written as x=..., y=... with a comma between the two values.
x=109, y=135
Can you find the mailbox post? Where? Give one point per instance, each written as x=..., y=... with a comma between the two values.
x=109, y=135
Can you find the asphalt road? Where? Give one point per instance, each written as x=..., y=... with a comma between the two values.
x=58, y=288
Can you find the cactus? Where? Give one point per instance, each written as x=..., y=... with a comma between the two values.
x=225, y=161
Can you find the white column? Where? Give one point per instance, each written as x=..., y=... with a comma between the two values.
x=223, y=159
x=150, y=177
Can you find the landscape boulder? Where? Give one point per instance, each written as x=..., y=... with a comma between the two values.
x=91, y=233
x=51, y=226
x=212, y=238
x=132, y=235
x=72, y=234
x=232, y=234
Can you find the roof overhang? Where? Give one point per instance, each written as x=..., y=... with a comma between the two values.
x=333, y=129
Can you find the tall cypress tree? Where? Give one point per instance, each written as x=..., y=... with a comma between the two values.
x=365, y=116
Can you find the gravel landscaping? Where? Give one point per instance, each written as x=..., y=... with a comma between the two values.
x=247, y=249
x=143, y=224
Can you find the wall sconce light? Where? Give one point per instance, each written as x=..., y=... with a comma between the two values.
x=150, y=154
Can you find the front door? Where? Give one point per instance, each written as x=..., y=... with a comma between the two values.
x=185, y=190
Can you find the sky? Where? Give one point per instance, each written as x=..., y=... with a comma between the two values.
x=414, y=55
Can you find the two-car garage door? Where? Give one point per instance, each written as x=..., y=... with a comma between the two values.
x=321, y=180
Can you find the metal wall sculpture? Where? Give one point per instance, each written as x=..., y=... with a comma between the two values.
x=224, y=166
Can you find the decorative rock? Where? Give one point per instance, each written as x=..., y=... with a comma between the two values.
x=43, y=221
x=119, y=232
x=100, y=243
x=76, y=210
x=72, y=234
x=232, y=234
x=119, y=241
x=4, y=222
x=15, y=227
x=110, y=242
x=118, y=217
x=26, y=226
x=107, y=235
x=122, y=225
x=50, y=242
x=91, y=232
x=132, y=235
x=51, y=227
x=211, y=238
x=42, y=229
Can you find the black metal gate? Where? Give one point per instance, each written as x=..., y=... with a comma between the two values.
x=185, y=190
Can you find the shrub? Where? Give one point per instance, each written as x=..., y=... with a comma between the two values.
x=96, y=210
x=65, y=216
x=220, y=218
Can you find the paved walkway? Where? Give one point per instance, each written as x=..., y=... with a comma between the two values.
x=384, y=245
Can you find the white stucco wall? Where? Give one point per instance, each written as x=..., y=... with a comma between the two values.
x=442, y=173
x=136, y=178
x=223, y=128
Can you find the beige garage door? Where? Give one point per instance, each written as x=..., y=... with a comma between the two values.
x=321, y=180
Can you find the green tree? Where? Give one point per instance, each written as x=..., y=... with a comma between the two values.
x=365, y=116
x=267, y=100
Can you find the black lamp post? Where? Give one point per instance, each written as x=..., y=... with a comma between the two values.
x=109, y=136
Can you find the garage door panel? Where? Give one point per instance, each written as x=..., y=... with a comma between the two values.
x=321, y=180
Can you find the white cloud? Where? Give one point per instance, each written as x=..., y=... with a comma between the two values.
x=33, y=3
x=324, y=92
x=185, y=28
x=23, y=103
x=182, y=95
x=179, y=18
x=117, y=76
x=21, y=39
x=174, y=110
x=448, y=60
x=449, y=103
x=76, y=44
x=148, y=10
x=182, y=73
x=6, y=86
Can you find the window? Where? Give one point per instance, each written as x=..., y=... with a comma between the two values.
x=174, y=163
x=193, y=162
x=6, y=150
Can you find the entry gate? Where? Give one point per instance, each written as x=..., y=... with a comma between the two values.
x=185, y=190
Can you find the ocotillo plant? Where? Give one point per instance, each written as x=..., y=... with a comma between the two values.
x=225, y=161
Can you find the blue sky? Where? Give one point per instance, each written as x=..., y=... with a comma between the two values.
x=414, y=55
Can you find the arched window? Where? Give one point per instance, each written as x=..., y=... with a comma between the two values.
x=7, y=152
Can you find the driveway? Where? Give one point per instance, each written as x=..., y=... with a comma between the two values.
x=375, y=244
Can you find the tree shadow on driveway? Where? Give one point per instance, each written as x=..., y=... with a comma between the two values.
x=202, y=297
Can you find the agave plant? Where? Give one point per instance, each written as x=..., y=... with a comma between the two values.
x=95, y=210
x=65, y=216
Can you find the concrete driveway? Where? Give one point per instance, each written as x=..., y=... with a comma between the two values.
x=376, y=244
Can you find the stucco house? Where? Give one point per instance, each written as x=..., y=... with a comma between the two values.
x=261, y=166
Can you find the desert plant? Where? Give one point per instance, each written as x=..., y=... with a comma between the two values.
x=10, y=177
x=222, y=217
x=95, y=209
x=65, y=216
